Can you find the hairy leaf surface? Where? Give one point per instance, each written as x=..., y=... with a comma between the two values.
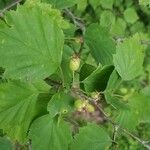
x=17, y=108
x=102, y=47
x=139, y=112
x=91, y=137
x=128, y=59
x=47, y=134
x=31, y=47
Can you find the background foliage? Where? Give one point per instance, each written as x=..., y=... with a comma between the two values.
x=75, y=74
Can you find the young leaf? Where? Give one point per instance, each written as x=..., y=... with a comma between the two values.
x=128, y=59
x=61, y=4
x=107, y=3
x=91, y=137
x=31, y=47
x=107, y=19
x=118, y=28
x=102, y=47
x=46, y=133
x=86, y=70
x=97, y=80
x=94, y=3
x=17, y=108
x=130, y=15
x=42, y=86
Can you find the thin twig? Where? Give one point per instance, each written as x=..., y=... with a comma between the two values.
x=144, y=143
x=81, y=95
x=145, y=42
x=77, y=21
x=121, y=39
x=9, y=7
x=114, y=137
x=81, y=47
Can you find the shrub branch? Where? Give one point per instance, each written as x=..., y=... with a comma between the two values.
x=79, y=94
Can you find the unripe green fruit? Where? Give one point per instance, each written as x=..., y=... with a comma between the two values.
x=79, y=104
x=90, y=108
x=74, y=63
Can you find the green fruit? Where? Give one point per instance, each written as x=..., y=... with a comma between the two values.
x=74, y=63
x=90, y=108
x=78, y=103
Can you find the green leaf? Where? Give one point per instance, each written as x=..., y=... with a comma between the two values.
x=31, y=47
x=112, y=85
x=107, y=3
x=17, y=108
x=101, y=45
x=139, y=112
x=118, y=3
x=41, y=104
x=129, y=57
x=60, y=103
x=81, y=6
x=85, y=71
x=107, y=18
x=67, y=72
x=61, y=4
x=5, y=144
x=91, y=137
x=94, y=3
x=98, y=79
x=118, y=27
x=130, y=15
x=113, y=82
x=47, y=134
x=138, y=26
x=144, y=2
x=146, y=91
x=115, y=101
x=128, y=3
x=128, y=119
x=2, y=4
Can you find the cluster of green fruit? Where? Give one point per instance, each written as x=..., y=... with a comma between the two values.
x=82, y=105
